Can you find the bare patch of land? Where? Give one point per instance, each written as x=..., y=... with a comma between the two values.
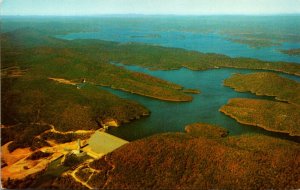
x=19, y=167
x=63, y=81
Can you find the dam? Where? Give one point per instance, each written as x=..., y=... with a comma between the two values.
x=102, y=143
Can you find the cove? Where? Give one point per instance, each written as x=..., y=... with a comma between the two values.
x=173, y=116
x=203, y=34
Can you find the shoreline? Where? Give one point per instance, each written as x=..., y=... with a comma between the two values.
x=257, y=125
x=289, y=97
x=189, y=99
x=191, y=91
x=218, y=67
x=258, y=94
x=235, y=67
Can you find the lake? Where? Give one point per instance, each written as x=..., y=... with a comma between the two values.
x=204, y=34
x=188, y=34
x=173, y=116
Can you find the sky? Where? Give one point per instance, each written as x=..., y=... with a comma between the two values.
x=151, y=7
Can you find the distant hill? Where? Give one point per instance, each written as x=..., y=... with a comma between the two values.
x=182, y=161
x=28, y=38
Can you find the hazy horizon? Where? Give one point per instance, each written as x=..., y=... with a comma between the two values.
x=147, y=7
x=150, y=15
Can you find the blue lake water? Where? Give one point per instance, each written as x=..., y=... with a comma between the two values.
x=202, y=42
x=170, y=116
x=173, y=116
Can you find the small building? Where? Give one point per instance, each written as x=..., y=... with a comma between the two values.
x=77, y=151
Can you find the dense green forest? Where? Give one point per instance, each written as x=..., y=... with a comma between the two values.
x=205, y=157
x=268, y=84
x=270, y=115
x=30, y=57
x=199, y=159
